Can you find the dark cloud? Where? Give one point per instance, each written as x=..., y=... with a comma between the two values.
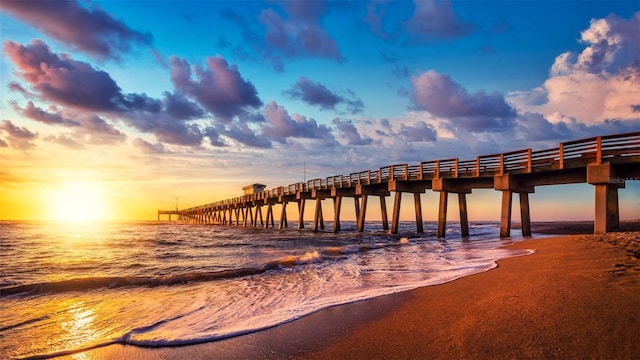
x=88, y=128
x=442, y=97
x=149, y=148
x=166, y=128
x=89, y=29
x=179, y=107
x=314, y=93
x=17, y=137
x=62, y=80
x=298, y=34
x=535, y=127
x=418, y=132
x=435, y=19
x=280, y=126
x=218, y=87
x=301, y=34
x=349, y=131
x=35, y=113
x=242, y=133
x=214, y=137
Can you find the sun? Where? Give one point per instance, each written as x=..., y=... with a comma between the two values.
x=78, y=201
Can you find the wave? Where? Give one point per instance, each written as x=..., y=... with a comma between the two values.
x=112, y=282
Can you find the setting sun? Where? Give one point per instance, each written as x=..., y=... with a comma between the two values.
x=78, y=201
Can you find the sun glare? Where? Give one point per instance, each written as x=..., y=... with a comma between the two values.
x=78, y=201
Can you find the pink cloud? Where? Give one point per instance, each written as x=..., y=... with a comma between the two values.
x=91, y=30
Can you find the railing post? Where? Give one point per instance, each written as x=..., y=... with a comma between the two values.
x=599, y=150
x=437, y=169
x=478, y=166
x=529, y=160
x=561, y=156
x=501, y=164
x=455, y=171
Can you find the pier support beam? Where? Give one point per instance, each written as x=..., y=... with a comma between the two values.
x=383, y=211
x=510, y=184
x=451, y=185
x=395, y=219
x=283, y=216
x=464, y=219
x=442, y=214
x=418, y=208
x=317, y=217
x=337, y=204
x=505, y=213
x=301, y=204
x=607, y=215
x=362, y=213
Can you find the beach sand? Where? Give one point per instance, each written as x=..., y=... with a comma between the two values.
x=578, y=296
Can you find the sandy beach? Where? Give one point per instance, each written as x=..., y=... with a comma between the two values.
x=578, y=296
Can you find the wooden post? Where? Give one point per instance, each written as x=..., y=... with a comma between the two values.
x=301, y=214
x=259, y=213
x=505, y=217
x=383, y=211
x=283, y=216
x=321, y=218
x=561, y=156
x=337, y=202
x=525, y=215
x=464, y=220
x=442, y=214
x=396, y=212
x=363, y=212
x=356, y=203
x=418, y=206
x=316, y=216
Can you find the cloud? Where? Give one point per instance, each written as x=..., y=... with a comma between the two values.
x=66, y=141
x=612, y=46
x=61, y=79
x=298, y=34
x=444, y=98
x=17, y=137
x=281, y=126
x=435, y=19
x=316, y=94
x=418, y=132
x=149, y=148
x=179, y=107
x=90, y=128
x=218, y=87
x=91, y=30
x=301, y=34
x=35, y=113
x=600, y=83
x=64, y=81
x=349, y=131
x=242, y=133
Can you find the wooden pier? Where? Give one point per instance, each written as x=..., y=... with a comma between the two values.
x=606, y=162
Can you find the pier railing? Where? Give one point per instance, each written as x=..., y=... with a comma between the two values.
x=568, y=155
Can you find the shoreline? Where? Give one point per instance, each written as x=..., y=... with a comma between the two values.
x=576, y=297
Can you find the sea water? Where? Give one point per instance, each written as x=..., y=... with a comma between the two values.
x=69, y=287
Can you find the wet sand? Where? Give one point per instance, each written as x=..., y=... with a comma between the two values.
x=578, y=296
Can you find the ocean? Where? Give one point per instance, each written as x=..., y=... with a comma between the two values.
x=67, y=287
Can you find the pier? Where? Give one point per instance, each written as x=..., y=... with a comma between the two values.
x=606, y=162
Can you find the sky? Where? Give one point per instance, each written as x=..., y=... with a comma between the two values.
x=114, y=109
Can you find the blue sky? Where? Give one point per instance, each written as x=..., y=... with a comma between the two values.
x=158, y=99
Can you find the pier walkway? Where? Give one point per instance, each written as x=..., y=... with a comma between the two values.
x=606, y=162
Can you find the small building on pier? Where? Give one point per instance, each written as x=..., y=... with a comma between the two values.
x=253, y=189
